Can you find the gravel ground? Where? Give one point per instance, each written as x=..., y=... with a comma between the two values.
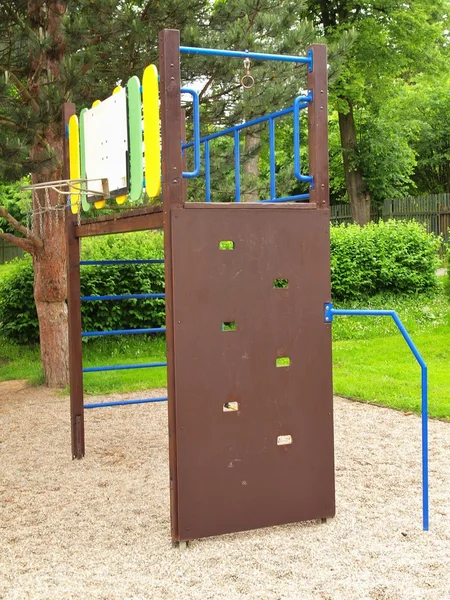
x=99, y=528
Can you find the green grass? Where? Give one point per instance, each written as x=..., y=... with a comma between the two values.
x=371, y=360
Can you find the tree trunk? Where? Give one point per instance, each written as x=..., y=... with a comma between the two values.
x=358, y=194
x=50, y=278
x=251, y=166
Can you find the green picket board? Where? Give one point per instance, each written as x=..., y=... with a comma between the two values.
x=135, y=138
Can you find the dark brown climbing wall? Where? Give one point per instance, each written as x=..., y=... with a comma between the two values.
x=238, y=469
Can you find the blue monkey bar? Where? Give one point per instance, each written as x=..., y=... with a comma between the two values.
x=308, y=60
x=330, y=312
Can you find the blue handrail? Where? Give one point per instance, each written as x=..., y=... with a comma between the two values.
x=196, y=142
x=330, y=312
x=298, y=104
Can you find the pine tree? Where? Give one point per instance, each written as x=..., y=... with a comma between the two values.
x=53, y=52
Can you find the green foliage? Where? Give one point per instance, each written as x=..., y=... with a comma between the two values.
x=18, y=318
x=123, y=279
x=396, y=256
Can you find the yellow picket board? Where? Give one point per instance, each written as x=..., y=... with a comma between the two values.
x=74, y=160
x=99, y=203
x=152, y=145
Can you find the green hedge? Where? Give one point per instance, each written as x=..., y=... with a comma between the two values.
x=18, y=319
x=393, y=257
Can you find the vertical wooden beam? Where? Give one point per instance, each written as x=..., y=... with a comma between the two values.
x=172, y=186
x=318, y=127
x=74, y=308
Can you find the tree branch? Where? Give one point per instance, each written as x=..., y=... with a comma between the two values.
x=20, y=242
x=33, y=239
x=23, y=91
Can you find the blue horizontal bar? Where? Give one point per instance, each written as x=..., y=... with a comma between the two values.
x=288, y=198
x=275, y=115
x=122, y=262
x=124, y=402
x=122, y=367
x=123, y=297
x=123, y=332
x=246, y=54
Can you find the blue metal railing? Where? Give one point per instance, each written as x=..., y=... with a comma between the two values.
x=300, y=103
x=330, y=312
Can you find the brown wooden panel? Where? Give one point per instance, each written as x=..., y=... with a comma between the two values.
x=231, y=474
x=142, y=219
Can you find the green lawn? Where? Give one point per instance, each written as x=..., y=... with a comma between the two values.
x=371, y=360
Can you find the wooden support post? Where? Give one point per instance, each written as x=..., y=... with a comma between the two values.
x=172, y=186
x=74, y=307
x=318, y=127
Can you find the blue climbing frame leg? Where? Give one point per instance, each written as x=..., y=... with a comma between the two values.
x=331, y=312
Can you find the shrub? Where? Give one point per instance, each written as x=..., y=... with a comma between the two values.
x=386, y=257
x=393, y=256
x=18, y=317
x=123, y=279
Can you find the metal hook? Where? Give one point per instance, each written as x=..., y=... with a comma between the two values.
x=247, y=80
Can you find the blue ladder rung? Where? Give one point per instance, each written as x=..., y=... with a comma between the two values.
x=124, y=402
x=123, y=332
x=121, y=367
x=122, y=297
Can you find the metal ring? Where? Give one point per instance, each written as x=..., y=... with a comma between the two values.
x=247, y=82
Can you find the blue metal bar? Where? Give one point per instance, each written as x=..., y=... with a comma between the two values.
x=299, y=197
x=124, y=402
x=123, y=297
x=207, y=173
x=330, y=312
x=297, y=170
x=122, y=367
x=273, y=193
x=123, y=332
x=196, y=142
x=246, y=54
x=257, y=121
x=237, y=167
x=122, y=262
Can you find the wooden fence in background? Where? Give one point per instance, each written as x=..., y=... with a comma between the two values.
x=8, y=252
x=433, y=211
